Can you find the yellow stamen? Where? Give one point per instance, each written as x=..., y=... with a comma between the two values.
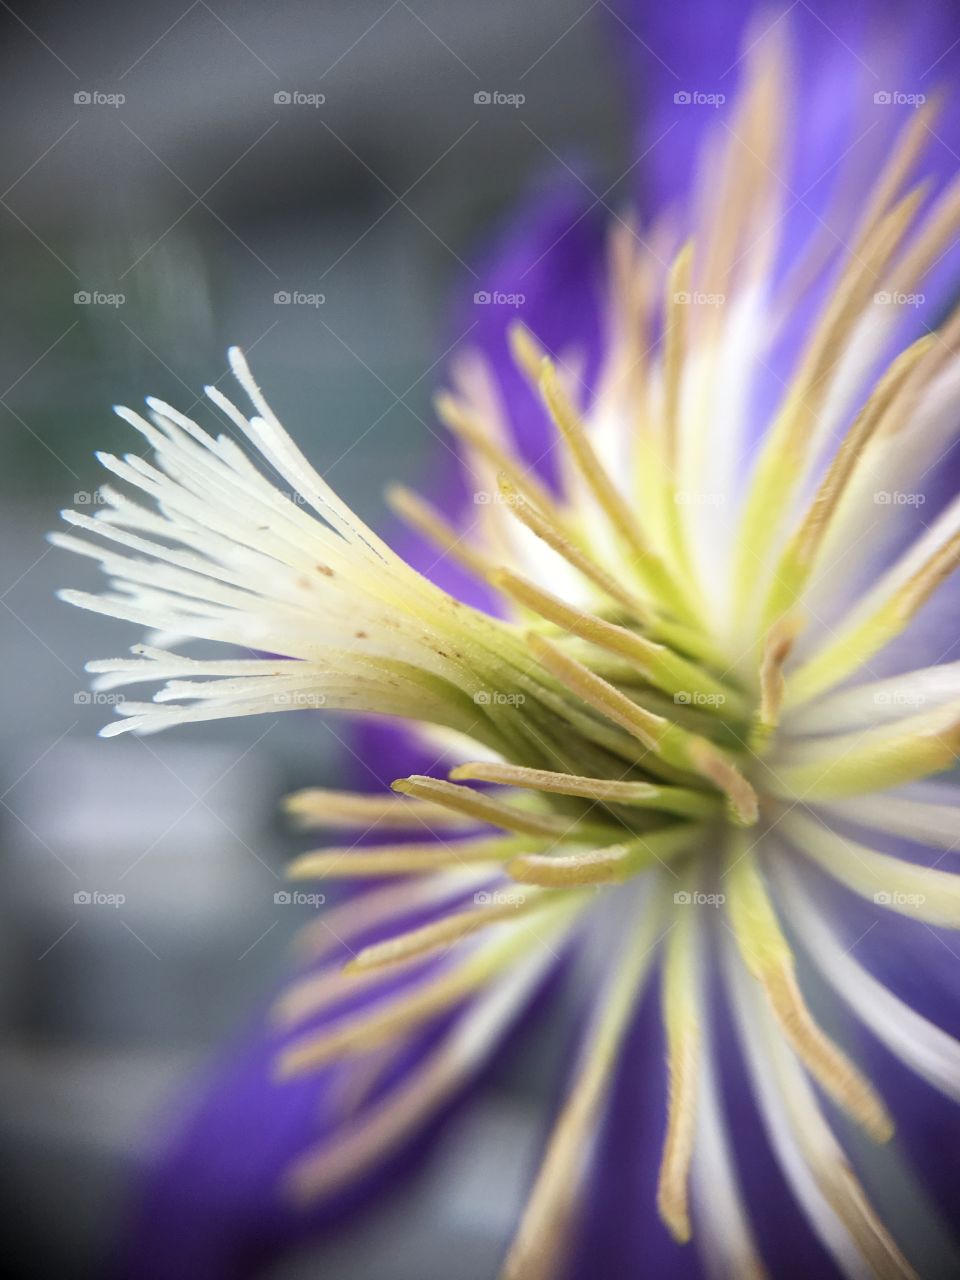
x=428, y=522
x=541, y=1241
x=610, y=865
x=785, y=455
x=676, y=317
x=776, y=649
x=403, y=859
x=828, y=1163
x=943, y=350
x=547, y=531
x=681, y=1019
x=676, y=344
x=472, y=433
x=644, y=725
x=768, y=957
x=310, y=996
x=707, y=760
x=483, y=808
x=924, y=893
x=845, y=1192
x=403, y=1013
x=660, y=665
x=856, y=763
x=931, y=242
x=677, y=747
x=907, y=150
x=650, y=566
x=646, y=795
x=340, y=926
x=318, y=807
x=800, y=555
x=858, y=642
x=528, y=354
x=359, y=1145
x=446, y=931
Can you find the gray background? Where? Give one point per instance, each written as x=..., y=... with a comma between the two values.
x=198, y=199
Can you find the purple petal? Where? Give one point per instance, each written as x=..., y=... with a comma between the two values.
x=918, y=964
x=550, y=254
x=622, y=1234
x=213, y=1206
x=842, y=47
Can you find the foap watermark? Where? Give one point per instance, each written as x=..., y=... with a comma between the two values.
x=297, y=98
x=499, y=898
x=697, y=698
x=297, y=898
x=494, y=698
x=697, y=98
x=97, y=898
x=894, y=298
x=89, y=498
x=494, y=98
x=303, y=700
x=683, y=898
x=894, y=898
x=97, y=698
x=96, y=298
x=497, y=298
x=898, y=498
x=94, y=98
x=899, y=698
x=896, y=98
x=683, y=298
x=489, y=498
x=295, y=298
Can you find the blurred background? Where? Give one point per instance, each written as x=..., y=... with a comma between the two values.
x=170, y=184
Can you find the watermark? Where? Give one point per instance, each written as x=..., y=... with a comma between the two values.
x=886, y=298
x=94, y=298
x=697, y=899
x=494, y=98
x=94, y=98
x=309, y=701
x=95, y=698
x=895, y=98
x=494, y=698
x=898, y=498
x=301, y=500
x=297, y=898
x=897, y=899
x=89, y=498
x=491, y=498
x=694, y=498
x=696, y=98
x=496, y=298
x=294, y=298
x=97, y=898
x=499, y=898
x=697, y=698
x=683, y=298
x=297, y=98
x=899, y=698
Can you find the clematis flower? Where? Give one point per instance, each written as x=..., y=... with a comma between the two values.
x=701, y=729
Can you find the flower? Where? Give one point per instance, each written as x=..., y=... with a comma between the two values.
x=705, y=708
